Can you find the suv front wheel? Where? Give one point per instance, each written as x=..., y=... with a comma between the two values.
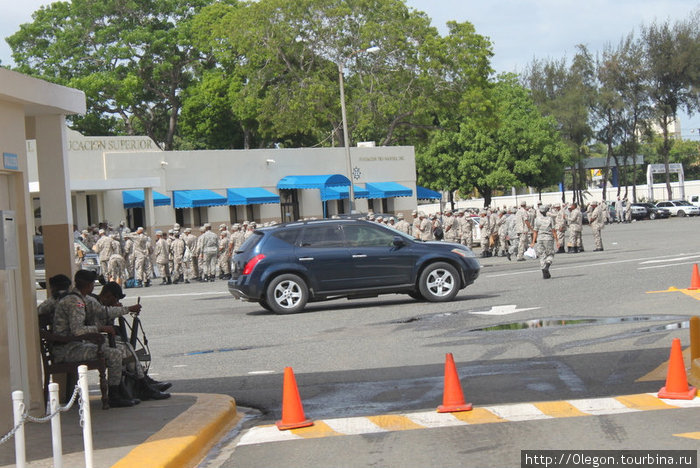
x=287, y=294
x=439, y=282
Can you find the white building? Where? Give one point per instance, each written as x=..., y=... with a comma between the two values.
x=112, y=177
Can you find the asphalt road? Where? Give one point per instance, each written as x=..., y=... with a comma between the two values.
x=591, y=331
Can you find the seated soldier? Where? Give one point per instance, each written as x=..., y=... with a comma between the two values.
x=70, y=320
x=59, y=286
x=102, y=310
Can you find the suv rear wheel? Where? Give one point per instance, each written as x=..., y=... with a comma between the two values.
x=287, y=294
x=680, y=213
x=439, y=282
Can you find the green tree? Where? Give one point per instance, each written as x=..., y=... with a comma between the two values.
x=566, y=92
x=673, y=61
x=511, y=145
x=132, y=58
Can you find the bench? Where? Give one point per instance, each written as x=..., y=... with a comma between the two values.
x=49, y=339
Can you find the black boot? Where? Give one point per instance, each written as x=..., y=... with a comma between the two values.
x=575, y=249
x=169, y=281
x=165, y=281
x=162, y=386
x=561, y=249
x=187, y=281
x=545, y=272
x=117, y=400
x=126, y=394
x=147, y=283
x=147, y=392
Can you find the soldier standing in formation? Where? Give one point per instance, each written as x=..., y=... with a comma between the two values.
x=544, y=236
x=209, y=247
x=162, y=254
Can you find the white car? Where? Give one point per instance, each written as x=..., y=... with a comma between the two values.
x=680, y=208
x=694, y=200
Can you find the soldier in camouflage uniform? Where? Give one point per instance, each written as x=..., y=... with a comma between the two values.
x=450, y=227
x=523, y=228
x=190, y=259
x=596, y=219
x=104, y=248
x=116, y=268
x=209, y=247
x=545, y=238
x=224, y=260
x=466, y=228
x=485, y=228
x=142, y=247
x=177, y=247
x=575, y=221
x=102, y=310
x=162, y=254
x=402, y=225
x=70, y=320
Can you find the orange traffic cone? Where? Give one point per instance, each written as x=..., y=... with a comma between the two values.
x=453, y=398
x=695, y=279
x=292, y=411
x=676, y=381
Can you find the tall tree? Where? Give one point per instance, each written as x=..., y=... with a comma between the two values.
x=512, y=145
x=566, y=92
x=673, y=61
x=132, y=58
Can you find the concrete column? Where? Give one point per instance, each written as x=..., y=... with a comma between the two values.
x=149, y=213
x=54, y=179
x=81, y=210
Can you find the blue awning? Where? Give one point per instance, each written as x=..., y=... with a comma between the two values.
x=251, y=196
x=387, y=190
x=423, y=193
x=196, y=198
x=313, y=181
x=135, y=199
x=342, y=193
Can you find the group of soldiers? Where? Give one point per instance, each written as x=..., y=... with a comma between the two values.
x=175, y=256
x=511, y=231
x=181, y=256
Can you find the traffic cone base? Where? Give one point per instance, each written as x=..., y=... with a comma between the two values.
x=695, y=279
x=676, y=387
x=689, y=395
x=292, y=410
x=454, y=408
x=297, y=425
x=453, y=398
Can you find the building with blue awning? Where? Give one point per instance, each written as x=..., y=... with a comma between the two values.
x=112, y=176
x=135, y=199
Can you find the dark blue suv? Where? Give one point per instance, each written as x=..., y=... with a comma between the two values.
x=285, y=266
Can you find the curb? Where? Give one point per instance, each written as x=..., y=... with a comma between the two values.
x=185, y=440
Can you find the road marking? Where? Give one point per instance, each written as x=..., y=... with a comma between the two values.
x=572, y=267
x=186, y=294
x=481, y=415
x=666, y=266
x=504, y=310
x=261, y=372
x=669, y=259
x=695, y=294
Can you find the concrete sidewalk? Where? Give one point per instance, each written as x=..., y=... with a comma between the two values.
x=177, y=432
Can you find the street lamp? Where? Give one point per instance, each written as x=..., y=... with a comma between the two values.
x=348, y=161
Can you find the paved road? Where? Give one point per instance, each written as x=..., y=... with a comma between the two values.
x=597, y=330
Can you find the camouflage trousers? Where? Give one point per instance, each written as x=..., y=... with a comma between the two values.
x=178, y=268
x=522, y=244
x=142, y=269
x=88, y=351
x=164, y=270
x=224, y=264
x=574, y=238
x=116, y=269
x=468, y=239
x=545, y=251
x=597, y=240
x=209, y=266
x=129, y=358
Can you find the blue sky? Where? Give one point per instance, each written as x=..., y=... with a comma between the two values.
x=520, y=30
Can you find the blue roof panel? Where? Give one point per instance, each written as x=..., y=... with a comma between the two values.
x=197, y=198
x=313, y=181
x=423, y=193
x=135, y=199
x=387, y=190
x=251, y=196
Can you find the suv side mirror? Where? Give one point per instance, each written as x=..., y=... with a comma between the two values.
x=399, y=241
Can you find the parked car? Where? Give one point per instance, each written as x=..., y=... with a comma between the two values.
x=694, y=200
x=285, y=266
x=680, y=208
x=652, y=211
x=638, y=211
x=90, y=260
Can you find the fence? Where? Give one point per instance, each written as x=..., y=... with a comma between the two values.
x=54, y=411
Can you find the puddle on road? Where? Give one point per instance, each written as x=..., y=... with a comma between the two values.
x=673, y=322
x=218, y=350
x=562, y=322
